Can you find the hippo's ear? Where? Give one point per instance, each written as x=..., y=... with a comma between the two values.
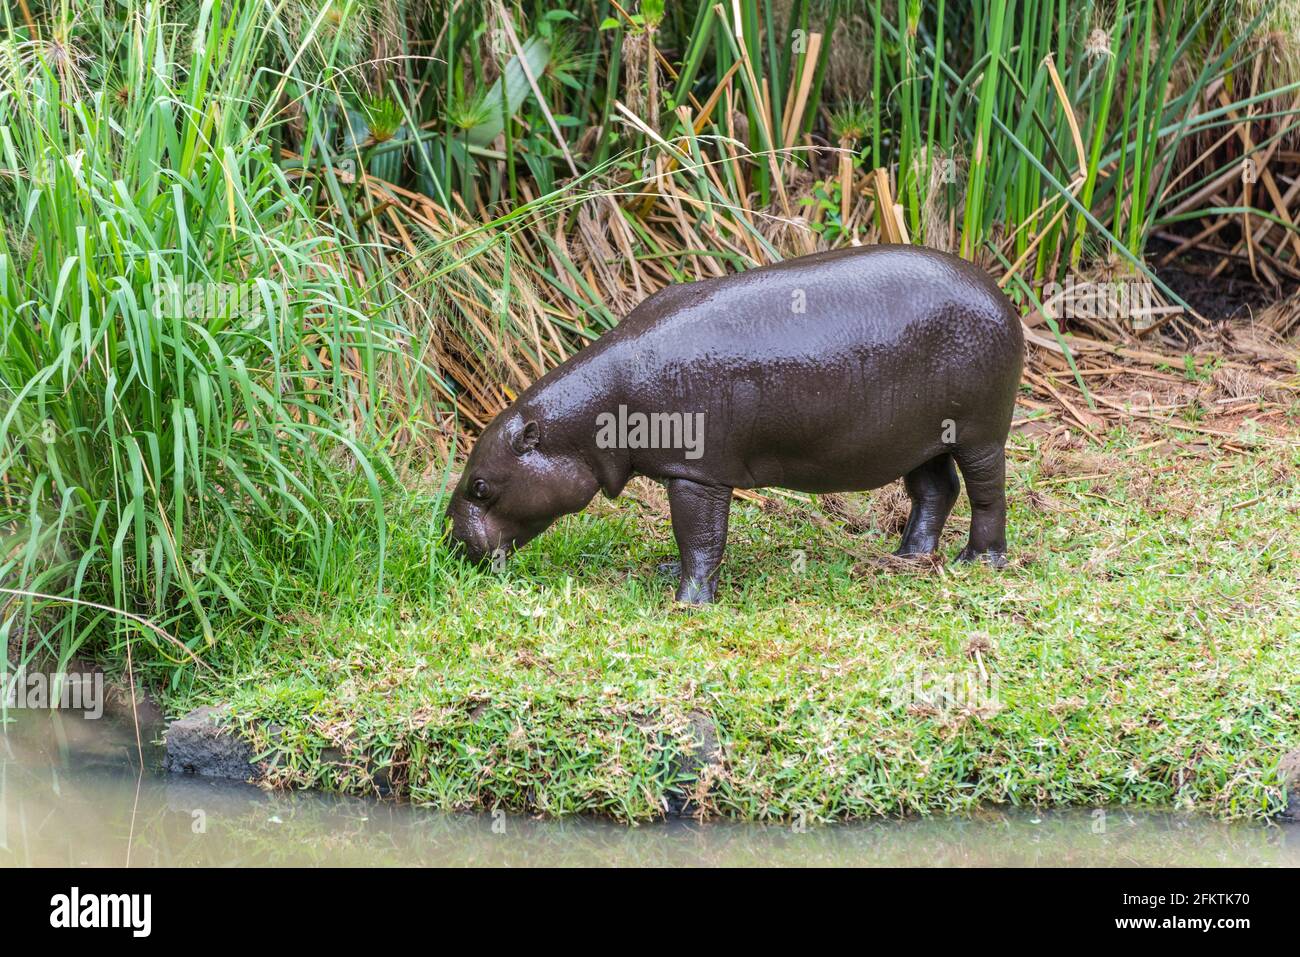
x=526, y=439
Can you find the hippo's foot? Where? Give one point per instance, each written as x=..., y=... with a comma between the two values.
x=694, y=591
x=992, y=558
x=700, y=526
x=985, y=470
x=933, y=488
x=904, y=553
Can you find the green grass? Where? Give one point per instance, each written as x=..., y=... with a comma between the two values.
x=187, y=360
x=1142, y=649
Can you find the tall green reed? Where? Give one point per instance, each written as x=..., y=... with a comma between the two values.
x=188, y=363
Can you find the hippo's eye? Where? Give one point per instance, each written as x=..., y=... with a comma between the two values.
x=478, y=488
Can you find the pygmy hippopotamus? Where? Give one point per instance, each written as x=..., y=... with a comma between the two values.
x=835, y=372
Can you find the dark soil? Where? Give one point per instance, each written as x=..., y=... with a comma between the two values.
x=1233, y=294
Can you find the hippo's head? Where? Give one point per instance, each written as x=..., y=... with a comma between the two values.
x=515, y=484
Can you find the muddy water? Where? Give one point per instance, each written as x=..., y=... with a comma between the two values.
x=72, y=793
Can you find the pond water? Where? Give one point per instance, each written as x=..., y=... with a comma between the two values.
x=72, y=793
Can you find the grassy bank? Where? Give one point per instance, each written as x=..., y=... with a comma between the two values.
x=1140, y=650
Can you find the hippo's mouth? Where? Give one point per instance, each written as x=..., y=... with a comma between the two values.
x=475, y=544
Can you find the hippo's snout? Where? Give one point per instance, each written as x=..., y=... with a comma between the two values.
x=467, y=551
x=485, y=539
x=482, y=539
x=467, y=537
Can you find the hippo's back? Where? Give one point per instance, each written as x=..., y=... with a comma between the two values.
x=855, y=298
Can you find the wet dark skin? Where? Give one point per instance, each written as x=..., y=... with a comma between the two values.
x=836, y=372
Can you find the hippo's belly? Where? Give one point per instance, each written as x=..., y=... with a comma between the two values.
x=844, y=436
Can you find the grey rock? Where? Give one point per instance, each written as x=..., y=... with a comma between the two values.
x=1289, y=770
x=199, y=743
x=695, y=766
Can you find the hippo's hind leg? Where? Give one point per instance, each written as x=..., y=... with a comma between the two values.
x=700, y=514
x=933, y=488
x=984, y=468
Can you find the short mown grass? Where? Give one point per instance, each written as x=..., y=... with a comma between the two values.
x=1141, y=650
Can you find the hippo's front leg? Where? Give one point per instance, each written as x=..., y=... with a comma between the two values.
x=700, y=514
